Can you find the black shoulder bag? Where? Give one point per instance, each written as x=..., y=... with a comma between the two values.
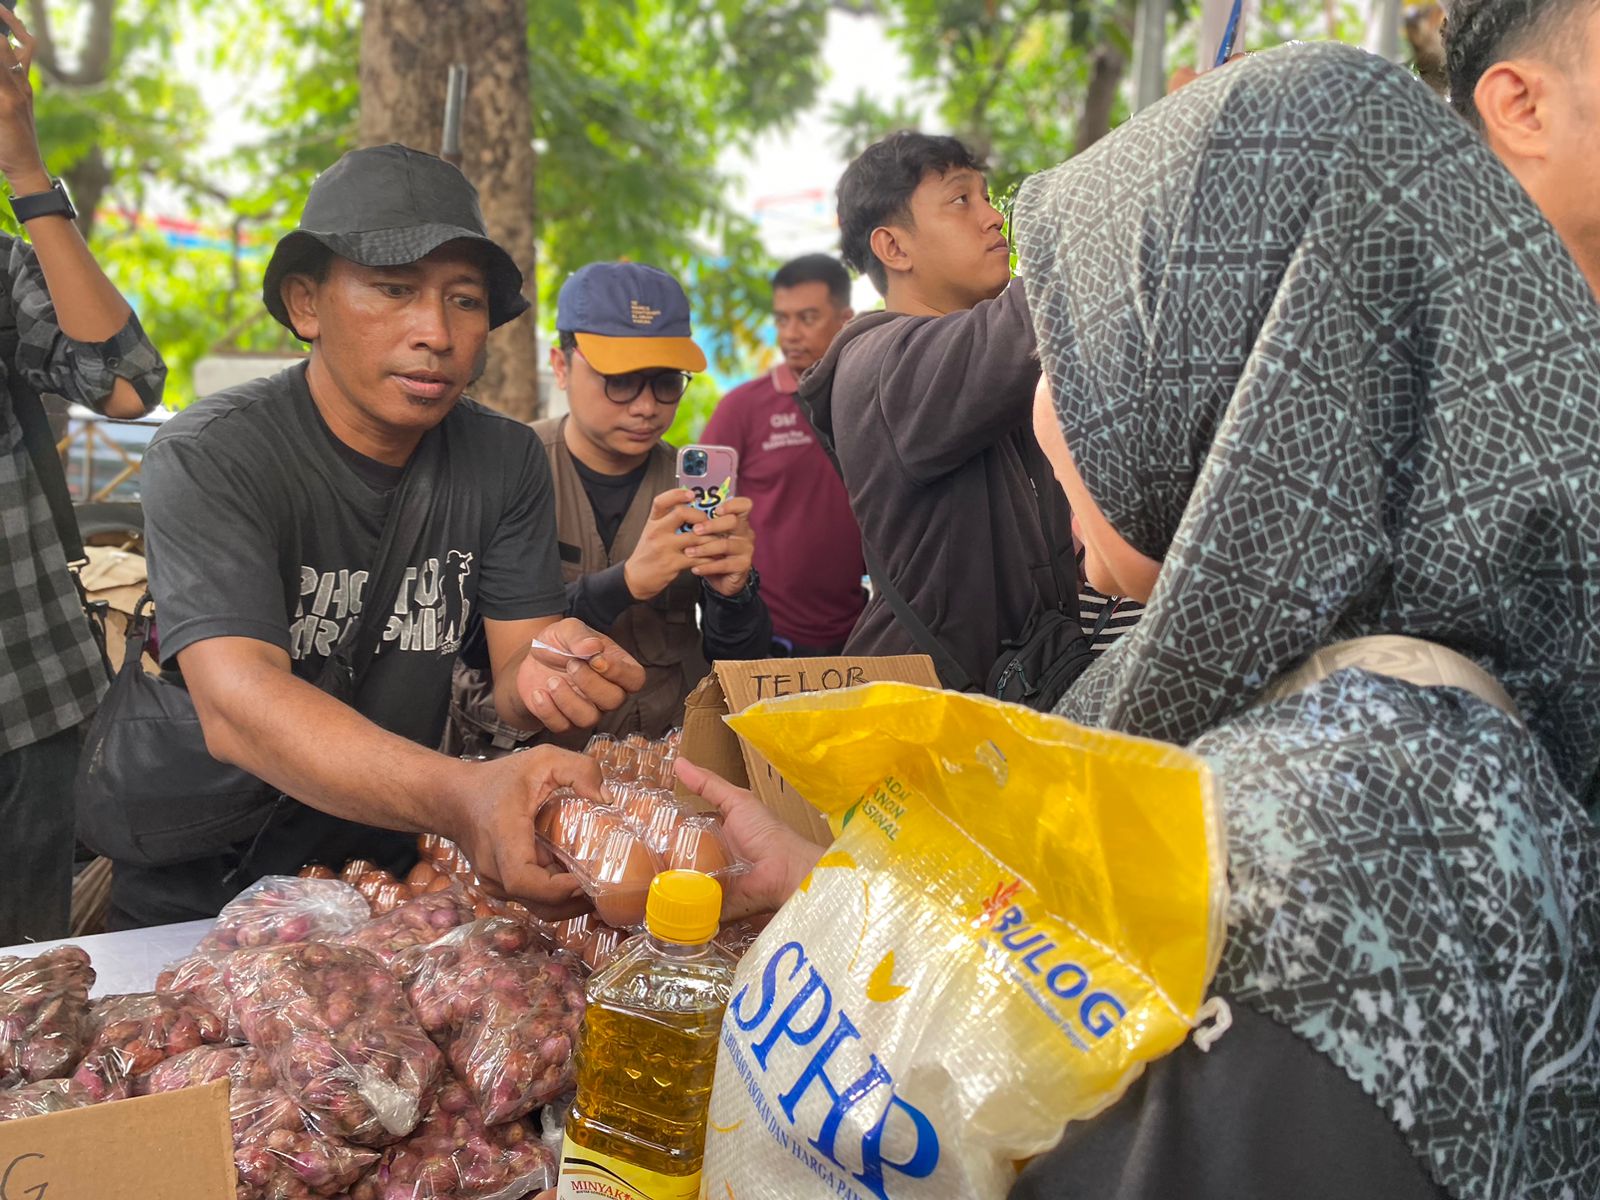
x=148, y=791
x=1035, y=668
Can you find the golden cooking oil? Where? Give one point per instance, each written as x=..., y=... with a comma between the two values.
x=638, y=1126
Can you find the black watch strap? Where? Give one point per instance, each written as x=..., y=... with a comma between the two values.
x=741, y=597
x=53, y=203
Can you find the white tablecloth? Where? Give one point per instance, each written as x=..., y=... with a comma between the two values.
x=128, y=961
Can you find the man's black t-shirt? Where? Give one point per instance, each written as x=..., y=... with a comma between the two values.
x=258, y=526
x=609, y=496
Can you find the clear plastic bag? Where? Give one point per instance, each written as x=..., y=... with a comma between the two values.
x=134, y=1033
x=415, y=923
x=278, y=1153
x=44, y=1014
x=1017, y=914
x=455, y=1155
x=283, y=909
x=334, y=1026
x=203, y=977
x=506, y=1010
x=46, y=1096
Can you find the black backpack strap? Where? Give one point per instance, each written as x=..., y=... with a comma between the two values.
x=951, y=673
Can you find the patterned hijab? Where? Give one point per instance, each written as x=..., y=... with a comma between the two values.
x=1314, y=348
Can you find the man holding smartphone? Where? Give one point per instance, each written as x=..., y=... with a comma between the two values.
x=625, y=358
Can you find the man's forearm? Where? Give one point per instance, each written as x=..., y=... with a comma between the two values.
x=88, y=306
x=327, y=755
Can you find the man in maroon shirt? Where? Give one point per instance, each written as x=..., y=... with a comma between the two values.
x=808, y=548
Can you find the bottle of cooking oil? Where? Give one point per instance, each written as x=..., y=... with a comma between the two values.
x=637, y=1130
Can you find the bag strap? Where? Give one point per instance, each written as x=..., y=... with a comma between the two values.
x=41, y=444
x=1413, y=660
x=951, y=672
x=402, y=533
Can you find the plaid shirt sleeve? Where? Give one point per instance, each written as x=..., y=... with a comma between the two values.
x=81, y=372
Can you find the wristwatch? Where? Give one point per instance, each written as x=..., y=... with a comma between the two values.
x=55, y=202
x=741, y=597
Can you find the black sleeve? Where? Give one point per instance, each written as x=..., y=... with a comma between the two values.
x=731, y=629
x=521, y=568
x=1263, y=1116
x=959, y=383
x=600, y=598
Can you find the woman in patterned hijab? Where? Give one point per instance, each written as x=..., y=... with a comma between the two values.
x=1325, y=371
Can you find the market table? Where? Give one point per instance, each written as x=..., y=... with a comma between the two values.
x=129, y=960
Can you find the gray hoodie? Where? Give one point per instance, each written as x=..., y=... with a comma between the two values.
x=931, y=419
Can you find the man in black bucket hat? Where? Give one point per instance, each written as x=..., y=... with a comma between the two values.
x=265, y=507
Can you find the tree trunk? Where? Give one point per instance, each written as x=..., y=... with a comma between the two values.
x=87, y=181
x=407, y=47
x=1105, y=77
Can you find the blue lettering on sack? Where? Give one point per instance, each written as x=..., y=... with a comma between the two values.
x=1032, y=953
x=808, y=1018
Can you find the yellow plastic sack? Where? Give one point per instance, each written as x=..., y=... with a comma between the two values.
x=1017, y=914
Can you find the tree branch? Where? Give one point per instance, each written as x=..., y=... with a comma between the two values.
x=997, y=68
x=95, y=64
x=44, y=41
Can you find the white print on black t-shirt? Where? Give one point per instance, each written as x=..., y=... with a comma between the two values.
x=430, y=612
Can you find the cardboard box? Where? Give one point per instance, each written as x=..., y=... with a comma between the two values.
x=733, y=687
x=174, y=1146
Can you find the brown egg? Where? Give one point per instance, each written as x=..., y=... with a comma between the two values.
x=440, y=883
x=661, y=825
x=370, y=882
x=571, y=932
x=559, y=812
x=698, y=846
x=317, y=871
x=582, y=833
x=622, y=872
x=387, y=897
x=421, y=875
x=641, y=804
x=604, y=942
x=431, y=845
x=355, y=869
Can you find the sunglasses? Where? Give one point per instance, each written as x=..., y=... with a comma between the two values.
x=667, y=386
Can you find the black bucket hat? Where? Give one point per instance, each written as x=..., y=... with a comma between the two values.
x=387, y=206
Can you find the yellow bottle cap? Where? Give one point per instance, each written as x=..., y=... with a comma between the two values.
x=683, y=907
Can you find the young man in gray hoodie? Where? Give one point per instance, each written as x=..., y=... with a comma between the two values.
x=928, y=405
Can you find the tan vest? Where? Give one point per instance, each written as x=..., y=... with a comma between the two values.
x=662, y=634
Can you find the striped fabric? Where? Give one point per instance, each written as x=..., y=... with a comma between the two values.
x=1106, y=618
